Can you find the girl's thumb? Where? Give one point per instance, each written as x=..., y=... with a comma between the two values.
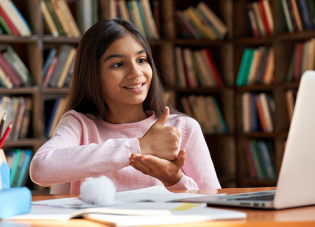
x=181, y=158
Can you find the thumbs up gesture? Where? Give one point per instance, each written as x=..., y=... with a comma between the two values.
x=161, y=141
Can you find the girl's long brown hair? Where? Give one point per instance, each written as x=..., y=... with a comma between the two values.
x=85, y=94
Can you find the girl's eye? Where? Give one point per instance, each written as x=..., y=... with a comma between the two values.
x=142, y=60
x=117, y=65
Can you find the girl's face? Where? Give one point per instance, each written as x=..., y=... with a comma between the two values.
x=125, y=72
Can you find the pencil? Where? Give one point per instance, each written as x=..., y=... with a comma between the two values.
x=2, y=123
x=6, y=133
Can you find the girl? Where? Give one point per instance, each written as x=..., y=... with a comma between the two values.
x=117, y=124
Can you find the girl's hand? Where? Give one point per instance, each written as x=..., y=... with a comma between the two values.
x=160, y=141
x=168, y=172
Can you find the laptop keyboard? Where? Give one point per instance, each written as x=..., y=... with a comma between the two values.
x=263, y=197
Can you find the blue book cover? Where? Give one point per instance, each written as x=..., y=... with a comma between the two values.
x=245, y=67
x=306, y=15
x=52, y=116
x=24, y=168
x=256, y=160
x=265, y=156
x=50, y=56
x=145, y=25
x=210, y=24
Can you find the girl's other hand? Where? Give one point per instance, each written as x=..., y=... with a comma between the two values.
x=168, y=172
x=161, y=141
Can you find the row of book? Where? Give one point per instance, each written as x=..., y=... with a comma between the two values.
x=58, y=67
x=260, y=160
x=59, y=19
x=87, y=14
x=140, y=13
x=18, y=162
x=260, y=17
x=18, y=110
x=257, y=67
x=200, y=23
x=290, y=96
x=11, y=20
x=206, y=111
x=303, y=59
x=196, y=68
x=299, y=14
x=258, y=112
x=53, y=110
x=13, y=72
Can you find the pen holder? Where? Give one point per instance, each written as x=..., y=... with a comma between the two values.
x=13, y=201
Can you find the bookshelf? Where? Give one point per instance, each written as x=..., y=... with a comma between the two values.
x=227, y=149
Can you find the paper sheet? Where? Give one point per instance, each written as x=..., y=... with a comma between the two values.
x=202, y=214
x=156, y=193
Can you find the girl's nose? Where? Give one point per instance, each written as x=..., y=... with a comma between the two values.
x=134, y=72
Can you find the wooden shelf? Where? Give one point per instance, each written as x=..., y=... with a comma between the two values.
x=24, y=143
x=255, y=40
x=214, y=135
x=202, y=90
x=200, y=42
x=19, y=90
x=18, y=39
x=297, y=35
x=259, y=134
x=256, y=182
x=258, y=87
x=61, y=39
x=287, y=86
x=55, y=90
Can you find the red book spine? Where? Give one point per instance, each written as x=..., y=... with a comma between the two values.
x=264, y=17
x=185, y=69
x=214, y=69
x=298, y=60
x=251, y=166
x=9, y=23
x=50, y=71
x=9, y=72
x=260, y=114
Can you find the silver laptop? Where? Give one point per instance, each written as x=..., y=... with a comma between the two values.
x=296, y=183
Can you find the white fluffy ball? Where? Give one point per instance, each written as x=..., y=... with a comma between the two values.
x=100, y=190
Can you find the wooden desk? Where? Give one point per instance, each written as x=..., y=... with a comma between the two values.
x=304, y=216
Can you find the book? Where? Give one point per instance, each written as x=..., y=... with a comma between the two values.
x=209, y=74
x=19, y=118
x=67, y=15
x=69, y=75
x=26, y=118
x=13, y=169
x=219, y=25
x=23, y=175
x=296, y=16
x=9, y=72
x=54, y=17
x=18, y=168
x=298, y=61
x=20, y=64
x=250, y=160
x=16, y=68
x=63, y=53
x=292, y=65
x=252, y=20
x=186, y=106
x=5, y=79
x=51, y=108
x=266, y=160
x=11, y=115
x=152, y=23
x=50, y=71
x=222, y=124
x=16, y=18
x=268, y=75
x=84, y=15
x=8, y=21
x=4, y=26
x=246, y=62
x=269, y=16
x=264, y=16
x=306, y=16
x=66, y=68
x=61, y=18
x=180, y=68
x=48, y=19
x=185, y=23
x=48, y=60
x=213, y=68
x=257, y=165
x=259, y=16
x=189, y=67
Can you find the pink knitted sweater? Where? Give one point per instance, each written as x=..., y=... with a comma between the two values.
x=83, y=147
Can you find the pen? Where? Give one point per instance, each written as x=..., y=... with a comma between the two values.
x=6, y=133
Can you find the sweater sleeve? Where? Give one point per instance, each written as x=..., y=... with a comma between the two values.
x=199, y=172
x=63, y=158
